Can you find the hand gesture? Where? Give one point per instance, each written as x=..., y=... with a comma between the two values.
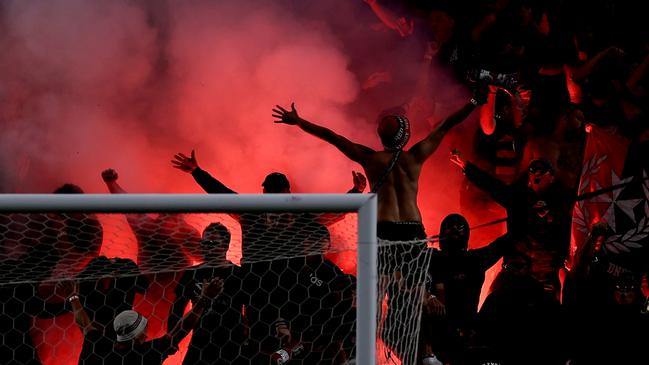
x=285, y=116
x=212, y=288
x=360, y=182
x=458, y=159
x=434, y=306
x=405, y=27
x=109, y=175
x=67, y=288
x=184, y=163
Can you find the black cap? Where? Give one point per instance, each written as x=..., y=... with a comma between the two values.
x=276, y=181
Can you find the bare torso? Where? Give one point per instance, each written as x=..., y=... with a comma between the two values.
x=397, y=197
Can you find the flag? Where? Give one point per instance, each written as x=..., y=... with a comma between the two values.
x=622, y=202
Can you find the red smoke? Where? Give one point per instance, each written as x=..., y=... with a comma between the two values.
x=86, y=86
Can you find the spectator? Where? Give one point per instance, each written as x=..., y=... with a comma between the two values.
x=130, y=328
x=166, y=243
x=220, y=332
x=538, y=216
x=393, y=174
x=82, y=234
x=457, y=275
x=518, y=321
x=305, y=299
x=618, y=331
x=286, y=231
x=106, y=287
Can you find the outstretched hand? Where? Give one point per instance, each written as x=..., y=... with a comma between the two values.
x=458, y=159
x=405, y=27
x=184, y=163
x=360, y=182
x=212, y=288
x=285, y=116
x=109, y=175
x=434, y=306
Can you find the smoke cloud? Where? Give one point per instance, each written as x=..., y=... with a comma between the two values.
x=88, y=85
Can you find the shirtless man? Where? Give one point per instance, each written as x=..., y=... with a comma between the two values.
x=394, y=176
x=399, y=217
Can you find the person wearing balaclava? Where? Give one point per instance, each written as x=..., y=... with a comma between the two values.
x=393, y=173
x=457, y=275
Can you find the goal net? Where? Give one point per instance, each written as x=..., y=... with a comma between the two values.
x=202, y=279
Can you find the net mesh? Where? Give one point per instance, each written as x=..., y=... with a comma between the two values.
x=403, y=275
x=288, y=289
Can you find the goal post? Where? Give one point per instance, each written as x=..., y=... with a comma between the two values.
x=365, y=205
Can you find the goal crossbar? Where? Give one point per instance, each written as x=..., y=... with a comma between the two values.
x=364, y=205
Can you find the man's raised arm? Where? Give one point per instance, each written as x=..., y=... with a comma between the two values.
x=354, y=151
x=189, y=164
x=70, y=290
x=137, y=221
x=427, y=146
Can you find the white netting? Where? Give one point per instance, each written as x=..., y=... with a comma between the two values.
x=288, y=287
x=403, y=273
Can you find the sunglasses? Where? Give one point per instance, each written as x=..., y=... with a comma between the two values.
x=542, y=170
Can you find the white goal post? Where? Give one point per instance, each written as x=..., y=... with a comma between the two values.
x=364, y=205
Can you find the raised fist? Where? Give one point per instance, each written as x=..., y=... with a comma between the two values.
x=109, y=175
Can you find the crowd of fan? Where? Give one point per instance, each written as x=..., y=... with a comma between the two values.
x=542, y=69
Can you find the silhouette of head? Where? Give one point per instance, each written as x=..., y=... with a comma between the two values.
x=215, y=241
x=540, y=175
x=275, y=183
x=454, y=233
x=394, y=131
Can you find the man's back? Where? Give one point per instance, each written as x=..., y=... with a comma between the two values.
x=398, y=193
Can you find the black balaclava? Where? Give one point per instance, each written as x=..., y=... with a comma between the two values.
x=454, y=233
